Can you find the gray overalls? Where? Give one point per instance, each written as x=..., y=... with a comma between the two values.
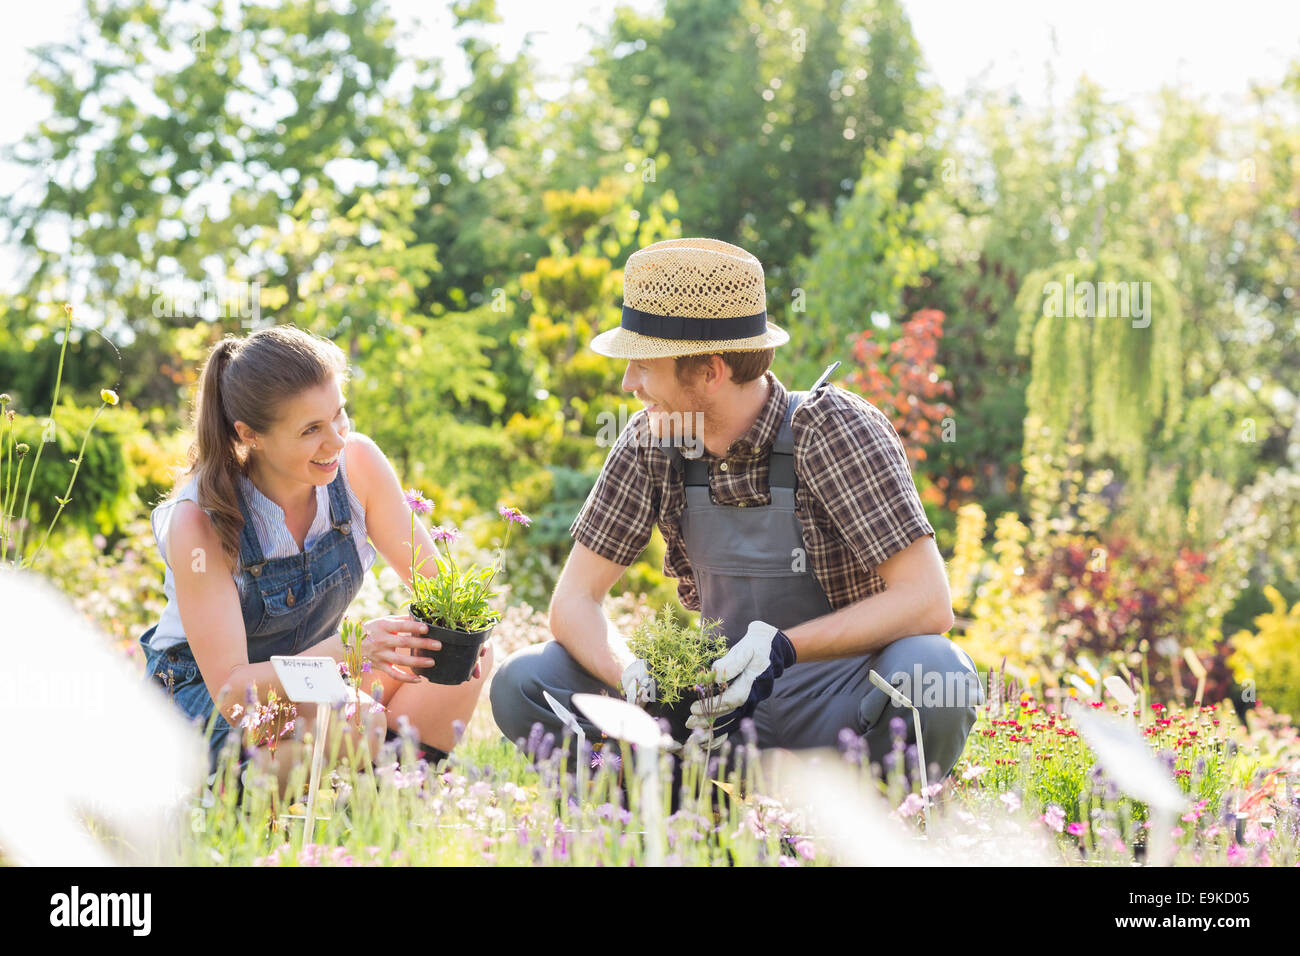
x=750, y=564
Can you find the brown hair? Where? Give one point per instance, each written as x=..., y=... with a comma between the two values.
x=745, y=366
x=247, y=380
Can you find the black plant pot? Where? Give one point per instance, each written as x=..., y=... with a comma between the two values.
x=676, y=714
x=454, y=663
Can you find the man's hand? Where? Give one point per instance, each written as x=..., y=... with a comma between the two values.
x=749, y=669
x=638, y=685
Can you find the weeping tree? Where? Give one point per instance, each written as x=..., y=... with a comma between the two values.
x=1106, y=379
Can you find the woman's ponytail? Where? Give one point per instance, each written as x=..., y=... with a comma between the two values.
x=214, y=456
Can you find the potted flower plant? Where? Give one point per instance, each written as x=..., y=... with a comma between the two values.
x=680, y=659
x=454, y=602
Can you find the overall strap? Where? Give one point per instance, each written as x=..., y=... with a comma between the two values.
x=782, y=474
x=695, y=471
x=250, y=549
x=340, y=510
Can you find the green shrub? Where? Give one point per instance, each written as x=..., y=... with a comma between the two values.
x=104, y=496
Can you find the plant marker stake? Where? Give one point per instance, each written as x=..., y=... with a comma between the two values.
x=1092, y=675
x=1123, y=694
x=1198, y=669
x=317, y=760
x=1080, y=684
x=825, y=375
x=314, y=680
x=570, y=722
x=566, y=716
x=1124, y=755
x=627, y=722
x=901, y=701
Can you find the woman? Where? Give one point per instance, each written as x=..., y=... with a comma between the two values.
x=266, y=545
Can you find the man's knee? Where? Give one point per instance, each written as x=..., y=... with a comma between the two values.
x=940, y=680
x=932, y=672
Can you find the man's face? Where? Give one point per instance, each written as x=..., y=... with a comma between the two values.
x=671, y=405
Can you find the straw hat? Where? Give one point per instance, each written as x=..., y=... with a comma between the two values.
x=691, y=297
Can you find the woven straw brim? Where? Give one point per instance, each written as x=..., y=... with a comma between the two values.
x=620, y=343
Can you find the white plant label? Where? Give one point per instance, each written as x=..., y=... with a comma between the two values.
x=312, y=680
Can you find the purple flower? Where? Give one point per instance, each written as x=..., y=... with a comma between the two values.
x=365, y=667
x=417, y=502
x=446, y=534
x=607, y=758
x=515, y=515
x=897, y=728
x=912, y=804
x=749, y=731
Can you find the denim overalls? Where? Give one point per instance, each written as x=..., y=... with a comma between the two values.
x=288, y=604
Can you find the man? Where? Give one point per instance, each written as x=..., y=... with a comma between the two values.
x=798, y=526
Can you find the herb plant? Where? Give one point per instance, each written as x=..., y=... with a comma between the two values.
x=680, y=657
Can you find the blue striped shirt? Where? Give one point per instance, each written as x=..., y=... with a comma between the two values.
x=272, y=534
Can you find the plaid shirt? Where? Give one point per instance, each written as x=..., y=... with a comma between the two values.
x=856, y=501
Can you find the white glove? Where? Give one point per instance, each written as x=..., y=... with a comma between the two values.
x=748, y=670
x=702, y=739
x=638, y=685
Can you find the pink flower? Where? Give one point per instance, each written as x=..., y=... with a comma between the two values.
x=972, y=772
x=441, y=533
x=1012, y=801
x=1054, y=817
x=515, y=515
x=1077, y=829
x=912, y=804
x=417, y=502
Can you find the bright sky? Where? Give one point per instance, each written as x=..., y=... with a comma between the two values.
x=1130, y=47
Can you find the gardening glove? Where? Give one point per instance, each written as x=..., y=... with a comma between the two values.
x=638, y=685
x=749, y=669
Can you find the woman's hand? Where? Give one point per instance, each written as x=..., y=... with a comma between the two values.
x=478, y=664
x=387, y=643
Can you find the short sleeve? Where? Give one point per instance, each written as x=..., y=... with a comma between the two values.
x=853, y=462
x=617, y=518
